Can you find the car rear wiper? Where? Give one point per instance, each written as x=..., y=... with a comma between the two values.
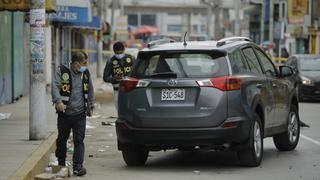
x=164, y=75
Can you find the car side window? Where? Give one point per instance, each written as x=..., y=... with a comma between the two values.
x=238, y=64
x=252, y=60
x=266, y=64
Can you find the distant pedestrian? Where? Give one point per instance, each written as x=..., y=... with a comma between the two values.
x=72, y=94
x=117, y=67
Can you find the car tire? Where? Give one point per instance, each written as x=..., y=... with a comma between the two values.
x=251, y=154
x=135, y=156
x=288, y=140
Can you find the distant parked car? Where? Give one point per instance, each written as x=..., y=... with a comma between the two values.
x=211, y=95
x=307, y=75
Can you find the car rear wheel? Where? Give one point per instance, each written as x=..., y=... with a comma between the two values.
x=135, y=156
x=252, y=153
x=288, y=140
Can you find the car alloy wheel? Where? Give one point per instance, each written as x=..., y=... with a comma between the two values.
x=293, y=127
x=257, y=139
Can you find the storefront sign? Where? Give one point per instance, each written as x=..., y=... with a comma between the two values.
x=70, y=14
x=297, y=9
x=23, y=5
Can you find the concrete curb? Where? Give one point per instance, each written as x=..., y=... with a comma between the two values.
x=38, y=160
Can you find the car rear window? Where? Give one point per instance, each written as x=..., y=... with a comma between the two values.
x=183, y=65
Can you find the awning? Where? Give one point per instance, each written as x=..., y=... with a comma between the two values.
x=94, y=24
x=72, y=11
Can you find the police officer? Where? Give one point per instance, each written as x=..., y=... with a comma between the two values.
x=118, y=66
x=72, y=94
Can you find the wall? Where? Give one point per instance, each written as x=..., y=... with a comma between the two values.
x=5, y=57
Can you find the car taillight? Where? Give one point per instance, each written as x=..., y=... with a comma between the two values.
x=224, y=83
x=128, y=84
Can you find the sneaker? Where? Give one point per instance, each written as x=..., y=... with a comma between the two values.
x=80, y=172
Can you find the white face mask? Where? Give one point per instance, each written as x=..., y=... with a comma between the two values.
x=119, y=56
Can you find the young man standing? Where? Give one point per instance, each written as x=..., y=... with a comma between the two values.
x=72, y=94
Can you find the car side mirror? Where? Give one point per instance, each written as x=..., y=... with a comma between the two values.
x=286, y=71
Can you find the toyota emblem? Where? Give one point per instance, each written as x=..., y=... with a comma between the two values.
x=172, y=82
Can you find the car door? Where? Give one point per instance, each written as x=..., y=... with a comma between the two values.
x=278, y=86
x=262, y=84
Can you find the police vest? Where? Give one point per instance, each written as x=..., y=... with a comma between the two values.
x=66, y=84
x=121, y=67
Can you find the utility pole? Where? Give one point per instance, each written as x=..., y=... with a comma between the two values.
x=112, y=13
x=263, y=16
x=209, y=21
x=101, y=16
x=37, y=102
x=215, y=5
x=237, y=5
x=271, y=26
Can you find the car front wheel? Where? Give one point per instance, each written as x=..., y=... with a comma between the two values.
x=288, y=140
x=252, y=153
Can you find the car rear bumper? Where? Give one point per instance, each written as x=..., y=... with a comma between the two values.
x=182, y=137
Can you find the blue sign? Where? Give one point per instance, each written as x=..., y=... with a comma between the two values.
x=70, y=14
x=94, y=24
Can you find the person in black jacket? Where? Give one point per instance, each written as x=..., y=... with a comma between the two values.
x=72, y=94
x=117, y=67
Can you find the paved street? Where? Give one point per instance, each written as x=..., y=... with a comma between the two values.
x=105, y=162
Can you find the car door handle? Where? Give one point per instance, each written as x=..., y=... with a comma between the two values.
x=259, y=86
x=274, y=85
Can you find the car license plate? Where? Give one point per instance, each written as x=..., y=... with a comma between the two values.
x=173, y=94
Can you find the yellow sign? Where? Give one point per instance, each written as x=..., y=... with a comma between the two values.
x=24, y=5
x=297, y=9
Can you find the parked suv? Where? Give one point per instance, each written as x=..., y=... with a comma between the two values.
x=212, y=95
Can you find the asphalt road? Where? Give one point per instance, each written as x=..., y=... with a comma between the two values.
x=104, y=161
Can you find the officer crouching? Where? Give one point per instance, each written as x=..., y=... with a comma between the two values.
x=72, y=94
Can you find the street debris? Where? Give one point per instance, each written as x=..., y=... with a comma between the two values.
x=48, y=170
x=89, y=125
x=101, y=150
x=110, y=135
x=64, y=172
x=97, y=106
x=196, y=172
x=4, y=116
x=53, y=161
x=94, y=116
x=44, y=176
x=90, y=155
x=88, y=135
x=107, y=123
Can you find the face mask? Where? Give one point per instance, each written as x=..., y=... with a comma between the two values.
x=119, y=56
x=82, y=69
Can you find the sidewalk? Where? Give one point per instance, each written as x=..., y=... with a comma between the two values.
x=18, y=154
x=15, y=146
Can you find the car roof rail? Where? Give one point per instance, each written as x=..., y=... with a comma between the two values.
x=159, y=42
x=228, y=40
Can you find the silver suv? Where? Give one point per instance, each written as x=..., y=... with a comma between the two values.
x=216, y=95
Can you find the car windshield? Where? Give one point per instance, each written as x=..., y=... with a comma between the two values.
x=311, y=64
x=181, y=65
